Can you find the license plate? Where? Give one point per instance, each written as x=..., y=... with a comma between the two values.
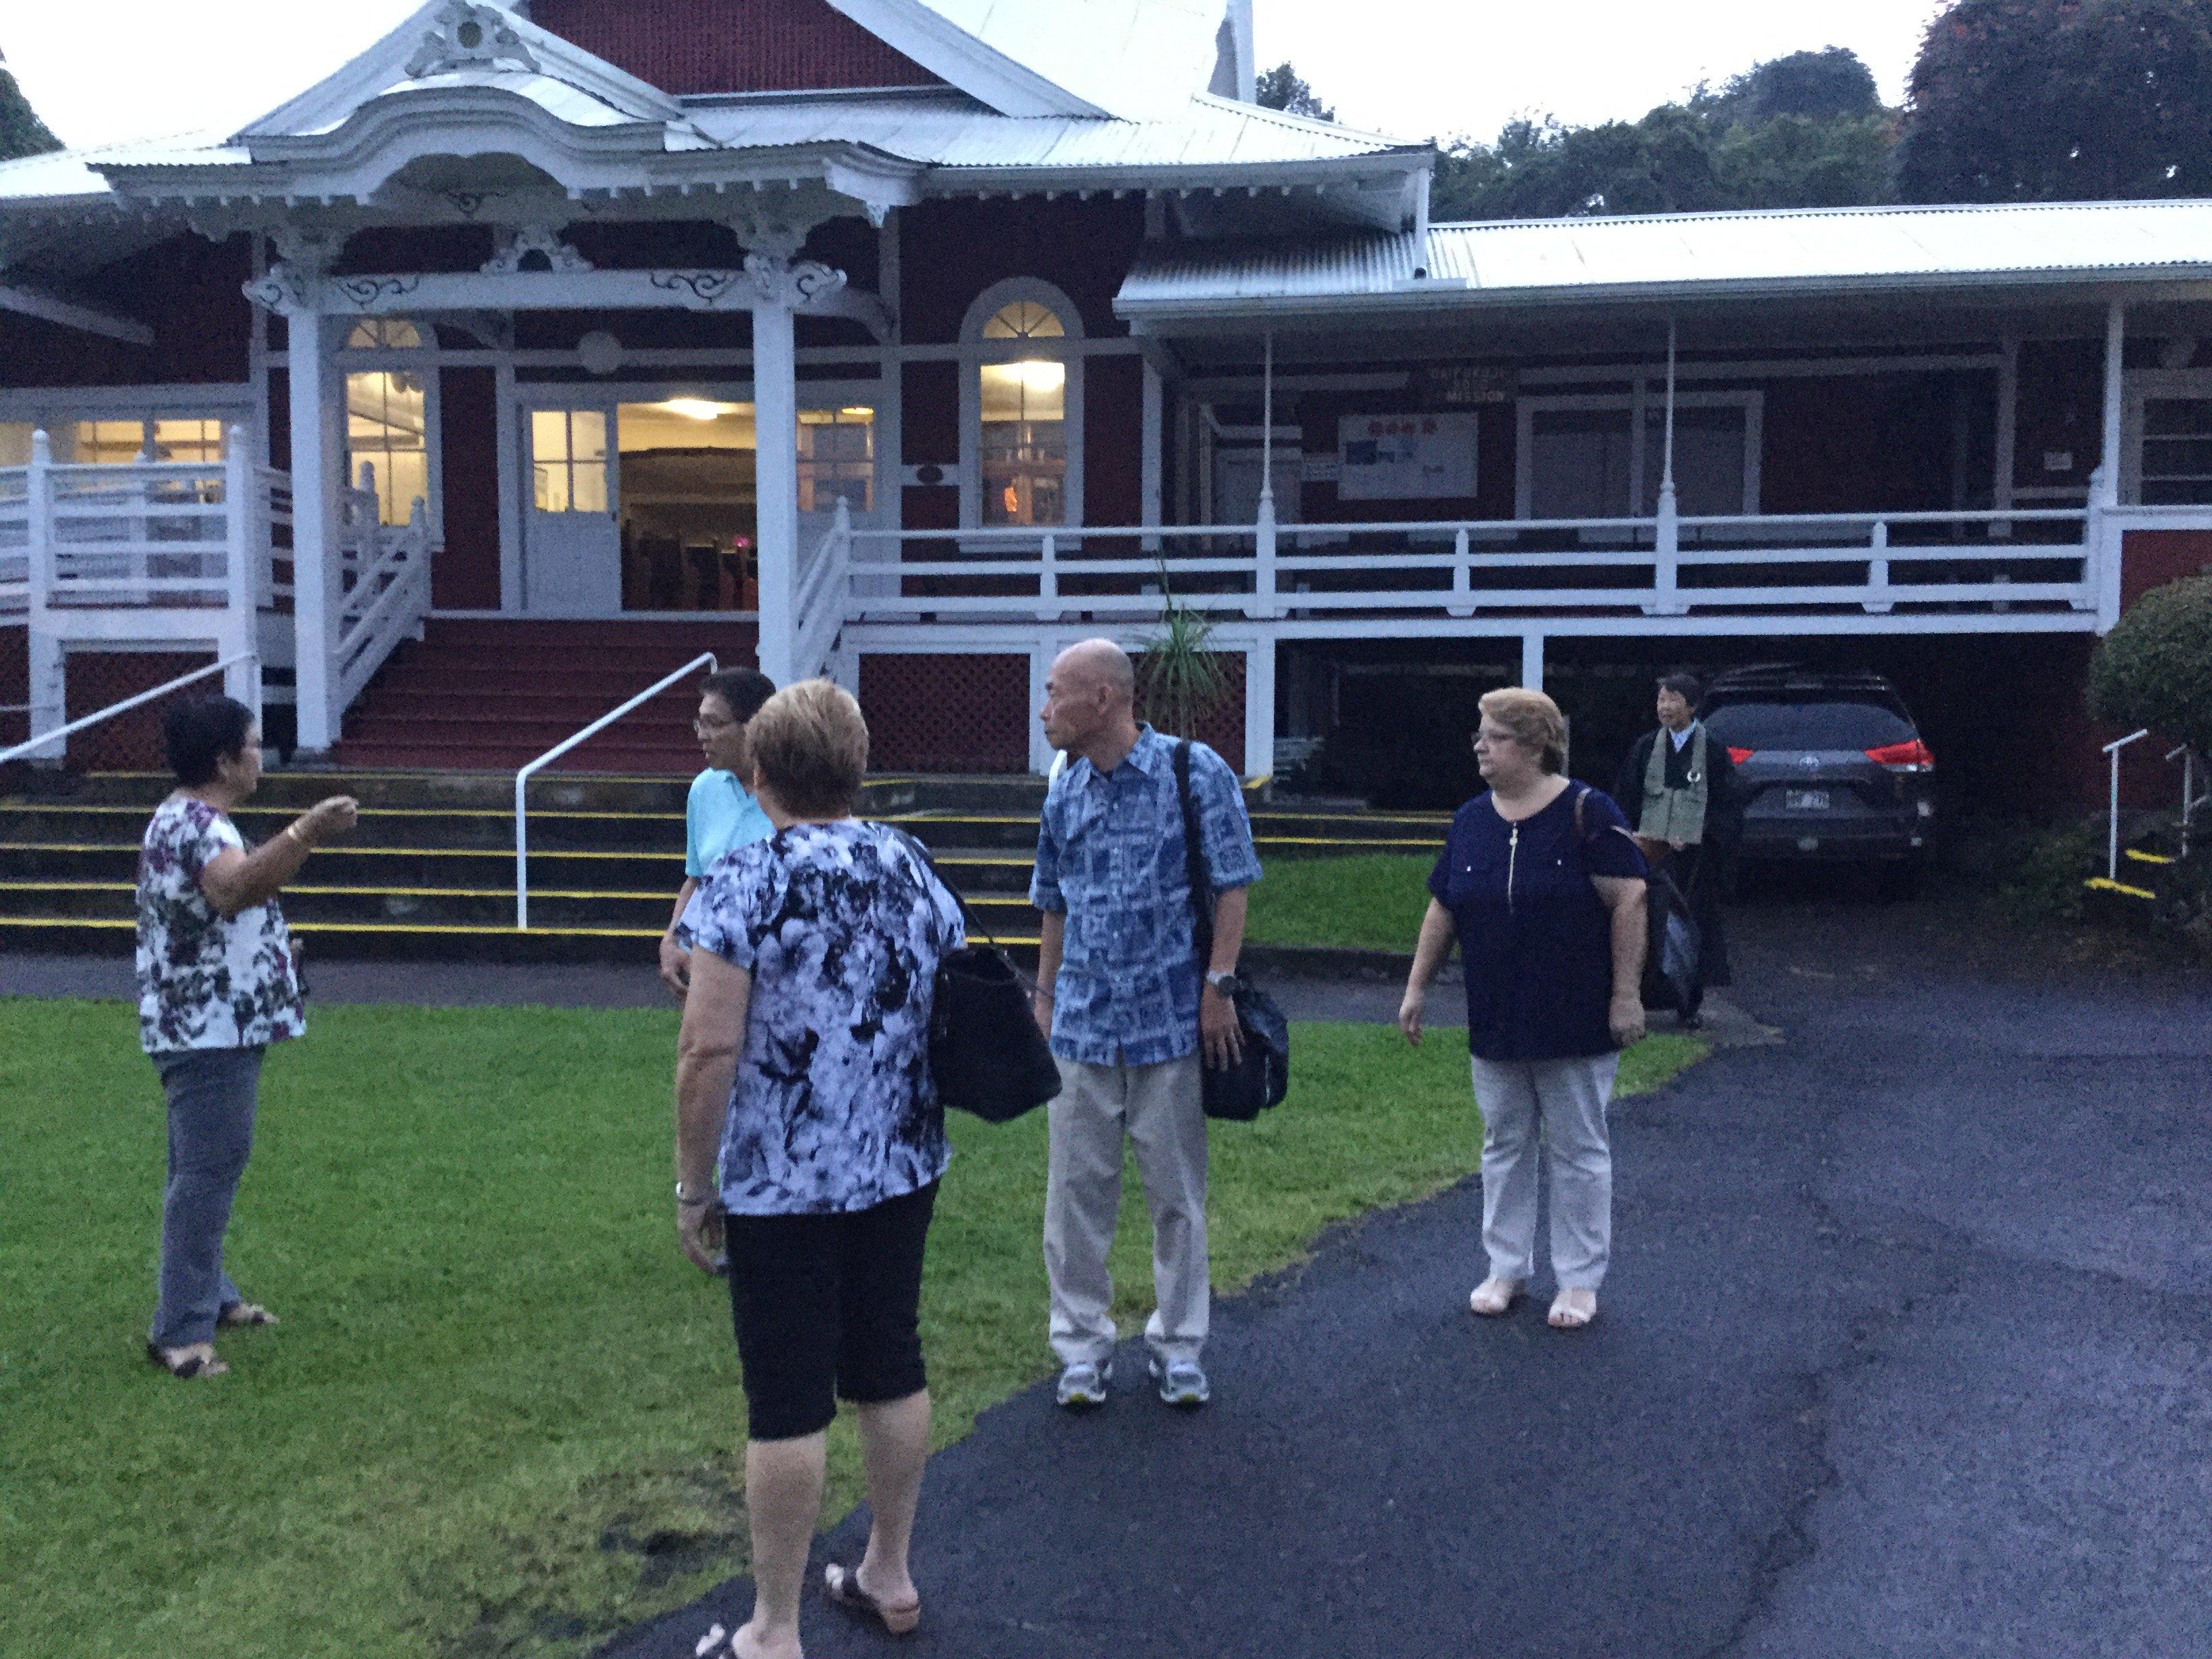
x=1804, y=800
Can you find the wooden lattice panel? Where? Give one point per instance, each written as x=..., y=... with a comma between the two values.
x=131, y=742
x=946, y=712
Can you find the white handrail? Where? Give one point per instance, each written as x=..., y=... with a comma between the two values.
x=124, y=706
x=2112, y=821
x=522, y=778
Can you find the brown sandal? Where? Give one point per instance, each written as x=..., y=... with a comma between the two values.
x=842, y=1586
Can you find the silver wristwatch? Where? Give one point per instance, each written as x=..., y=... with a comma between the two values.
x=1224, y=980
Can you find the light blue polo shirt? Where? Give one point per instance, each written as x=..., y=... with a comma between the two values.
x=720, y=814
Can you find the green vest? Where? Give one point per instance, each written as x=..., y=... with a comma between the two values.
x=1675, y=814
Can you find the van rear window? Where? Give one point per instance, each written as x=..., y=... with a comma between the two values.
x=1816, y=722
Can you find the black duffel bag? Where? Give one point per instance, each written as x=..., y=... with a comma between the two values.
x=1262, y=1076
x=986, y=1053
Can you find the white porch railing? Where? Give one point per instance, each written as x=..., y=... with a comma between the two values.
x=384, y=573
x=820, y=597
x=1877, y=564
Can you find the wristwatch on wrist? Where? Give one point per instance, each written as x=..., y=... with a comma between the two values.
x=687, y=1200
x=1224, y=980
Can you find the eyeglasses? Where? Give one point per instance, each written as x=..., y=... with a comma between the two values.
x=702, y=728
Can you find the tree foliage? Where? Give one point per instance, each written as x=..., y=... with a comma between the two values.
x=2060, y=100
x=2154, y=668
x=1804, y=130
x=21, y=132
x=1284, y=88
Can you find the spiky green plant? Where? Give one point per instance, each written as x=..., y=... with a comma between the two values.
x=1179, y=676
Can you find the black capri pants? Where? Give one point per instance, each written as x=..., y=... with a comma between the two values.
x=828, y=1307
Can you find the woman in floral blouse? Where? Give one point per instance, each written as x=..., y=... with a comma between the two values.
x=809, y=1142
x=217, y=984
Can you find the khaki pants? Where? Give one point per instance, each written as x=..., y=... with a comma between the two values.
x=1157, y=1108
x=1560, y=1105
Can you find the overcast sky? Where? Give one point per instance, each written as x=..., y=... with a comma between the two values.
x=1414, y=68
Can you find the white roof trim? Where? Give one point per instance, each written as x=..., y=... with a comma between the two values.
x=943, y=48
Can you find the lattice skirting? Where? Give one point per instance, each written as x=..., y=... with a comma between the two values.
x=14, y=683
x=131, y=742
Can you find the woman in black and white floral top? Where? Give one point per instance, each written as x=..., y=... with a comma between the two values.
x=217, y=984
x=809, y=1142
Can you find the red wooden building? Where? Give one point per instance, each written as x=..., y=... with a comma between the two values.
x=908, y=340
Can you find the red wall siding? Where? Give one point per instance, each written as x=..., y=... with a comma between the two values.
x=15, y=682
x=2061, y=412
x=2152, y=558
x=466, y=574
x=1113, y=441
x=950, y=251
x=731, y=45
x=946, y=713
x=186, y=290
x=1859, y=443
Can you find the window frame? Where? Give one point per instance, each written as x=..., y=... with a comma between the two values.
x=2143, y=387
x=425, y=360
x=47, y=408
x=976, y=351
x=1639, y=403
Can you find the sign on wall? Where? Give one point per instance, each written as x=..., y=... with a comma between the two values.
x=1399, y=457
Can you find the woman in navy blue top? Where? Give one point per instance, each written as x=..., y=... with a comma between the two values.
x=1543, y=886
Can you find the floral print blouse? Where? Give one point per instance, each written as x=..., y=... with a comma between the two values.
x=842, y=927
x=203, y=982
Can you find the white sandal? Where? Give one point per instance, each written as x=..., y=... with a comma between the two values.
x=1572, y=1315
x=1494, y=1297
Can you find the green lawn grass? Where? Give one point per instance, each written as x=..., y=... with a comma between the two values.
x=1367, y=901
x=500, y=1413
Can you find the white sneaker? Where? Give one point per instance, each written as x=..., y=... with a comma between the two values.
x=1083, y=1385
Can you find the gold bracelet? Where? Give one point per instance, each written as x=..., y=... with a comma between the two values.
x=293, y=830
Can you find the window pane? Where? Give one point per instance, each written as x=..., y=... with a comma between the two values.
x=549, y=435
x=1024, y=392
x=106, y=443
x=1024, y=319
x=2177, y=416
x=550, y=481
x=588, y=433
x=387, y=417
x=1708, y=459
x=15, y=443
x=837, y=459
x=1579, y=464
x=590, y=480
x=390, y=333
x=197, y=441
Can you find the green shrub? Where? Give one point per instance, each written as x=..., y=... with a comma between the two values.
x=2155, y=669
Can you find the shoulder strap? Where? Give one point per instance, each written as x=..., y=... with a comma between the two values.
x=917, y=851
x=1194, y=854
x=1581, y=831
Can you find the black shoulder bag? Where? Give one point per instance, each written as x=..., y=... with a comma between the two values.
x=1671, y=959
x=1260, y=1079
x=985, y=1050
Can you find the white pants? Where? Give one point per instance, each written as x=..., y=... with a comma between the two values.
x=1561, y=1103
x=1157, y=1108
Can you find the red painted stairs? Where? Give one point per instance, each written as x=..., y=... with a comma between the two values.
x=493, y=694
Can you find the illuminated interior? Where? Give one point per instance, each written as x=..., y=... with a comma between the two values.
x=1025, y=404
x=387, y=425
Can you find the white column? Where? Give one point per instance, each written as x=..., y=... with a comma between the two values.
x=1532, y=661
x=776, y=426
x=45, y=693
x=316, y=447
x=1041, y=656
x=2116, y=340
x=2005, y=468
x=247, y=536
x=1259, y=708
x=507, y=433
x=1154, y=437
x=2105, y=539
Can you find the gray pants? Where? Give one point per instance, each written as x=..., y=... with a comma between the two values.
x=1157, y=1108
x=1561, y=1103
x=212, y=1093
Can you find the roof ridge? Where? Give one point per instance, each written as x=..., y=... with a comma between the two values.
x=1306, y=124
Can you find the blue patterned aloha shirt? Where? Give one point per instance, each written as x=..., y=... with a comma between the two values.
x=203, y=982
x=1110, y=858
x=842, y=927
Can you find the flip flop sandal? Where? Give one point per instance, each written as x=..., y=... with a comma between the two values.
x=240, y=1314
x=842, y=1586
x=187, y=1368
x=1564, y=1318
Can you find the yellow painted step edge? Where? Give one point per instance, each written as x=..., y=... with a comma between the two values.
x=2105, y=885
x=2141, y=857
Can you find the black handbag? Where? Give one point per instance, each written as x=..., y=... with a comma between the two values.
x=1241, y=1091
x=986, y=1053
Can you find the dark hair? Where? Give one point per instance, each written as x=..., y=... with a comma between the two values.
x=1683, y=686
x=200, y=732
x=745, y=690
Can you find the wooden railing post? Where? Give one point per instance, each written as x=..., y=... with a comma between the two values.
x=1048, y=608
x=1263, y=573
x=1461, y=603
x=1879, y=600
x=241, y=549
x=1666, y=561
x=47, y=696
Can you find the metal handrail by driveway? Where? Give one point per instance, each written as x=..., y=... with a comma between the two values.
x=522, y=778
x=2112, y=831
x=124, y=706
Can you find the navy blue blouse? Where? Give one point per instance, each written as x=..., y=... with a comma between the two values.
x=1536, y=940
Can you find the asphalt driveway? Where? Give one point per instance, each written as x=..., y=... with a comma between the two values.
x=1907, y=1351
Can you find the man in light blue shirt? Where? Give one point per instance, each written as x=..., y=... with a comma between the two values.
x=1131, y=1011
x=721, y=812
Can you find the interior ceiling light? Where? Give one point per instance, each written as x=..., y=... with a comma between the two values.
x=698, y=409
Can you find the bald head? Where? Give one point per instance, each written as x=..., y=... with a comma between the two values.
x=1090, y=701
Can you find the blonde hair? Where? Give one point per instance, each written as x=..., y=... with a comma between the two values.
x=812, y=746
x=1531, y=720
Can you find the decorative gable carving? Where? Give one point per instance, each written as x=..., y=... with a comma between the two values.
x=534, y=248
x=462, y=36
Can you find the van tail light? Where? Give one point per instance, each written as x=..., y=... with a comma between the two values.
x=1740, y=755
x=1913, y=757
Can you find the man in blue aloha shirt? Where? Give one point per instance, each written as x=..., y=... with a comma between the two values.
x=1129, y=1009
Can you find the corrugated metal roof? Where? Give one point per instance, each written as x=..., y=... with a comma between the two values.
x=1137, y=58
x=1812, y=250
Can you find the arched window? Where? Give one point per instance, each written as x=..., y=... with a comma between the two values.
x=1023, y=395
x=388, y=414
